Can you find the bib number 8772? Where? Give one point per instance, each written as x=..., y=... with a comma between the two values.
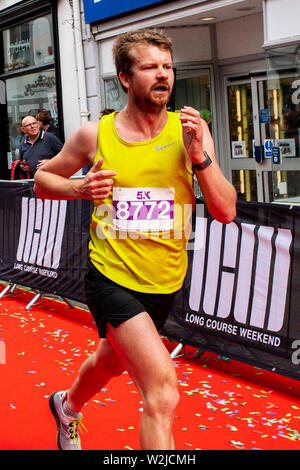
x=143, y=210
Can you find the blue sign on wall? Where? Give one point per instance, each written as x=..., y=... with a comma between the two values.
x=264, y=116
x=276, y=155
x=96, y=10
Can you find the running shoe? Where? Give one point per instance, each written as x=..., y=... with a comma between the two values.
x=67, y=425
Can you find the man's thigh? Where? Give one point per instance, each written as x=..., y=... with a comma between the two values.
x=143, y=354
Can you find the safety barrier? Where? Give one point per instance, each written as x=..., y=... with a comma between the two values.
x=241, y=294
x=43, y=243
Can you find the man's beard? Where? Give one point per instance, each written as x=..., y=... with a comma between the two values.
x=152, y=101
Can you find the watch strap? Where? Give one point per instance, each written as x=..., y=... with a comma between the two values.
x=204, y=164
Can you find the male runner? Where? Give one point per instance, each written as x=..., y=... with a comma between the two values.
x=141, y=182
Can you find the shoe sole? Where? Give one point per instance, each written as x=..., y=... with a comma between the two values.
x=54, y=412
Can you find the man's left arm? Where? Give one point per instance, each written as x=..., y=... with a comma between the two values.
x=218, y=192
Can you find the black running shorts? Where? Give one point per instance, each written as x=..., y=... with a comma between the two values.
x=111, y=303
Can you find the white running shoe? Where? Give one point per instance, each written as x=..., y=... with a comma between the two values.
x=67, y=425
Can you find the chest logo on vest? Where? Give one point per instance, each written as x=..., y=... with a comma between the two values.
x=157, y=148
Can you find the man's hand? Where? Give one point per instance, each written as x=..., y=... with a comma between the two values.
x=97, y=183
x=24, y=166
x=192, y=132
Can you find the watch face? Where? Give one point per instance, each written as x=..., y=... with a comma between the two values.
x=204, y=164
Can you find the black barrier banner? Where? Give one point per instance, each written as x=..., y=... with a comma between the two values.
x=241, y=293
x=43, y=243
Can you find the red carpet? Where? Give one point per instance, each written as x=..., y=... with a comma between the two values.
x=224, y=405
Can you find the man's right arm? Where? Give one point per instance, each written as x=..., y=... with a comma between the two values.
x=52, y=180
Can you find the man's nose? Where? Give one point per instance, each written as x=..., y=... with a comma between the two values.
x=162, y=72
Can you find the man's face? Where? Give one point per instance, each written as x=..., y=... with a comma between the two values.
x=152, y=78
x=30, y=126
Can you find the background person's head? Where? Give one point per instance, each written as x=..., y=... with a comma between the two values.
x=30, y=127
x=43, y=118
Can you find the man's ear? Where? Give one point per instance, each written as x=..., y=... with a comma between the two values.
x=123, y=77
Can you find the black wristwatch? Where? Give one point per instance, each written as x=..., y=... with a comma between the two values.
x=204, y=164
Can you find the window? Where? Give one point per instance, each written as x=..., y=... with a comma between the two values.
x=284, y=105
x=28, y=44
x=28, y=76
x=27, y=95
x=115, y=98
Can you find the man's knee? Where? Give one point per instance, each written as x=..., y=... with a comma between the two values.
x=163, y=400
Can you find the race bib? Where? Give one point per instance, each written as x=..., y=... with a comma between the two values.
x=143, y=209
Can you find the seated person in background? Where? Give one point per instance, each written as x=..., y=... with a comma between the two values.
x=44, y=120
x=37, y=147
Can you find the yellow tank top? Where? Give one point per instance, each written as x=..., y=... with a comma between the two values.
x=139, y=234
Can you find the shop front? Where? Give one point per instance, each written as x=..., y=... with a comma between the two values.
x=264, y=126
x=284, y=84
x=28, y=74
x=244, y=85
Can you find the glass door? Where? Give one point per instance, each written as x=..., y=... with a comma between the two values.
x=264, y=129
x=241, y=130
x=193, y=88
x=284, y=103
x=263, y=116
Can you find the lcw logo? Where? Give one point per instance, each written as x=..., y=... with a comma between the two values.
x=41, y=232
x=242, y=271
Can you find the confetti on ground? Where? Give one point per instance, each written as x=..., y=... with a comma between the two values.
x=225, y=405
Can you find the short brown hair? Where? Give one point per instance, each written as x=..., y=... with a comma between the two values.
x=44, y=117
x=122, y=45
